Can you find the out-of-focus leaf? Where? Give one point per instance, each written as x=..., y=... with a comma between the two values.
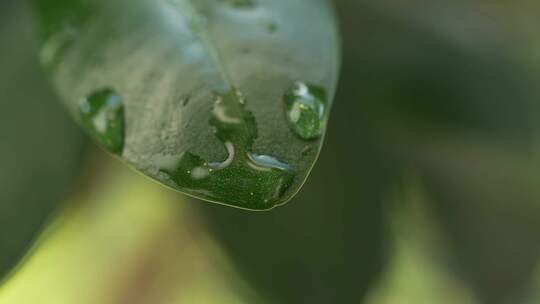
x=125, y=241
x=443, y=92
x=423, y=78
x=40, y=149
x=418, y=268
x=223, y=100
x=487, y=198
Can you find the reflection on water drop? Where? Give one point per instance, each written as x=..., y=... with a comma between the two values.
x=102, y=115
x=244, y=179
x=305, y=109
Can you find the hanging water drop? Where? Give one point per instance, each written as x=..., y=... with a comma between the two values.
x=305, y=110
x=102, y=115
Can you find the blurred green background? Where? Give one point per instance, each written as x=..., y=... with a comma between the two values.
x=426, y=190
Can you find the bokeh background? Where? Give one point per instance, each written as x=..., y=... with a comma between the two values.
x=427, y=190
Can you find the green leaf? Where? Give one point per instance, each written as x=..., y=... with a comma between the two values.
x=40, y=152
x=486, y=198
x=226, y=101
x=449, y=100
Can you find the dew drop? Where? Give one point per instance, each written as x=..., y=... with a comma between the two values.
x=102, y=115
x=305, y=109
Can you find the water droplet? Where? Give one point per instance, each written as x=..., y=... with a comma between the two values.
x=244, y=179
x=305, y=109
x=102, y=114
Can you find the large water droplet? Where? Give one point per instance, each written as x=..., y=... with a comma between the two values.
x=102, y=115
x=244, y=179
x=305, y=109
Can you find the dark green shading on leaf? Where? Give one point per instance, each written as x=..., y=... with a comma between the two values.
x=102, y=115
x=254, y=181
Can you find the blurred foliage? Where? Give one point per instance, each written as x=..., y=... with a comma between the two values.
x=124, y=241
x=417, y=271
x=486, y=197
x=40, y=151
x=420, y=82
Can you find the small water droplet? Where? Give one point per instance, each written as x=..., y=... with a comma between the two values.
x=305, y=109
x=244, y=178
x=200, y=173
x=102, y=115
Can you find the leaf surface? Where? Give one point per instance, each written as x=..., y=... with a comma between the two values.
x=192, y=93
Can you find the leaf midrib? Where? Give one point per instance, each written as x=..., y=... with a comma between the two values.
x=189, y=10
